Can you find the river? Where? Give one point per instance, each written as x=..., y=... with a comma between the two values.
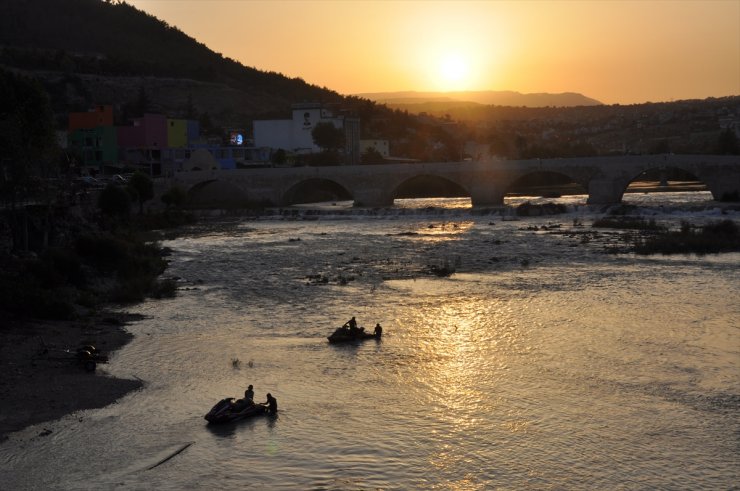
x=541, y=363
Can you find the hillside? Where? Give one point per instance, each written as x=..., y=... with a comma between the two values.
x=421, y=101
x=90, y=51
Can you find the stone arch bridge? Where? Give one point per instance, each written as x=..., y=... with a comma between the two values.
x=486, y=182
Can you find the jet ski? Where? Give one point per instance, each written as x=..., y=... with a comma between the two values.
x=227, y=411
x=345, y=335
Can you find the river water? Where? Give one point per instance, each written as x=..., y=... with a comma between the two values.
x=541, y=363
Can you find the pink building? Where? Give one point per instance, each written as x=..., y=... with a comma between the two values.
x=149, y=132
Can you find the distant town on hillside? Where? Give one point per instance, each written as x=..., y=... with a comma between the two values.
x=166, y=97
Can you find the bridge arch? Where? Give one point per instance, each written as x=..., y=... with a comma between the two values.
x=665, y=178
x=315, y=190
x=216, y=193
x=547, y=184
x=429, y=186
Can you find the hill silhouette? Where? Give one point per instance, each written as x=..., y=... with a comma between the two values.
x=103, y=52
x=420, y=101
x=89, y=52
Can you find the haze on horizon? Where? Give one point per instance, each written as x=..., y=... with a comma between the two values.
x=621, y=52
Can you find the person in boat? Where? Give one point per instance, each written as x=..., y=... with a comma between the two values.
x=351, y=325
x=378, y=330
x=249, y=394
x=271, y=404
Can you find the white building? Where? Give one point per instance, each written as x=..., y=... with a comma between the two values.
x=295, y=135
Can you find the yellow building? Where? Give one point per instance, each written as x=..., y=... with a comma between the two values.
x=177, y=133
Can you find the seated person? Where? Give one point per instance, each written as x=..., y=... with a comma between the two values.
x=249, y=394
x=351, y=324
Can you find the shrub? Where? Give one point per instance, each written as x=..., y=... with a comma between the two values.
x=103, y=251
x=174, y=197
x=29, y=299
x=142, y=188
x=114, y=201
x=167, y=219
x=724, y=228
x=131, y=290
x=164, y=289
x=723, y=236
x=632, y=223
x=730, y=197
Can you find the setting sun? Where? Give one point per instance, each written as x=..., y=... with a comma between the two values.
x=622, y=52
x=453, y=72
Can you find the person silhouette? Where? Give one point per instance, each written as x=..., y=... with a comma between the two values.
x=378, y=330
x=271, y=404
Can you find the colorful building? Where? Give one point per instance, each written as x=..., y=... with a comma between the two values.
x=95, y=147
x=94, y=118
x=144, y=143
x=92, y=137
x=177, y=133
x=153, y=143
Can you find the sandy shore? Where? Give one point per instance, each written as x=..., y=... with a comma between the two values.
x=37, y=387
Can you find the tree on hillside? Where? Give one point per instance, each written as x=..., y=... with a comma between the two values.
x=206, y=125
x=278, y=157
x=190, y=111
x=142, y=188
x=175, y=197
x=727, y=143
x=142, y=104
x=371, y=156
x=27, y=142
x=114, y=202
x=328, y=136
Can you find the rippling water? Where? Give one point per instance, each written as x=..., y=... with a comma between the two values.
x=542, y=363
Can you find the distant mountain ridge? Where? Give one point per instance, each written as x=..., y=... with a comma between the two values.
x=486, y=97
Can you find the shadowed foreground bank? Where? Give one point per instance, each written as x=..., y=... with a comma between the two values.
x=35, y=388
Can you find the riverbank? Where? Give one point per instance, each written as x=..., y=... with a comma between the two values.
x=54, y=296
x=37, y=387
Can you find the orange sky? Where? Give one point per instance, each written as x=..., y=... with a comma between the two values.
x=614, y=51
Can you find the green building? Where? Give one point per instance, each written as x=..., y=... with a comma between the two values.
x=95, y=147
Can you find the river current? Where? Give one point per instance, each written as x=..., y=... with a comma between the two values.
x=542, y=362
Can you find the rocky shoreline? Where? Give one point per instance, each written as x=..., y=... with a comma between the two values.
x=36, y=387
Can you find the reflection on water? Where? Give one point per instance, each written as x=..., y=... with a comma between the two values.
x=437, y=231
x=571, y=370
x=421, y=203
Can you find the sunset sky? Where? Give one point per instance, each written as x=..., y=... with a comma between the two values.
x=613, y=51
